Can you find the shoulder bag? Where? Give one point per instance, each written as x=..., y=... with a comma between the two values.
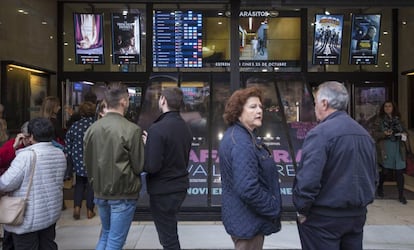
x=13, y=208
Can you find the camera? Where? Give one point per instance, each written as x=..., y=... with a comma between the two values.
x=393, y=125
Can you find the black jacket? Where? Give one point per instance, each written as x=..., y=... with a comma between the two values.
x=167, y=153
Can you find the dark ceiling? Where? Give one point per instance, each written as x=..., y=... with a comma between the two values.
x=278, y=3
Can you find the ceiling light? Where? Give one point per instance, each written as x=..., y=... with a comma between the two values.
x=25, y=68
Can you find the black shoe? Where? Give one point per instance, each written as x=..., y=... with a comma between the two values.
x=403, y=200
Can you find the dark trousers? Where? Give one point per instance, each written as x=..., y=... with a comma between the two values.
x=7, y=241
x=164, y=210
x=82, y=185
x=332, y=233
x=40, y=240
x=399, y=178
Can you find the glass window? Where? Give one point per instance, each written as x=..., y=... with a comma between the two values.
x=220, y=94
x=26, y=88
x=367, y=104
x=288, y=116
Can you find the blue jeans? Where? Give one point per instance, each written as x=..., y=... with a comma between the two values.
x=116, y=218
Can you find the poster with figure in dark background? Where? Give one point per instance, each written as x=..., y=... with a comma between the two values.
x=88, y=38
x=126, y=48
x=364, y=39
x=327, y=43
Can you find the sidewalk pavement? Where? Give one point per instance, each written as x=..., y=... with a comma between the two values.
x=390, y=225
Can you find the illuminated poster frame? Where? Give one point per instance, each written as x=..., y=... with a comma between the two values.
x=327, y=43
x=364, y=39
x=88, y=28
x=126, y=39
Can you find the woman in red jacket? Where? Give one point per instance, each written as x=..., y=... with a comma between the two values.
x=8, y=149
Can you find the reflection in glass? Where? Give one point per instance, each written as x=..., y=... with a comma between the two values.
x=287, y=117
x=368, y=101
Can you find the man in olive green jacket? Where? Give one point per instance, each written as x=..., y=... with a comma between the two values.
x=114, y=159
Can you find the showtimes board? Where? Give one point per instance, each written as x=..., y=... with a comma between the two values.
x=178, y=38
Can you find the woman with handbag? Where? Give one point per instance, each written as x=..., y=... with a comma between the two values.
x=36, y=172
x=390, y=137
x=7, y=154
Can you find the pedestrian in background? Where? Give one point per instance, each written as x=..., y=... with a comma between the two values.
x=74, y=149
x=391, y=137
x=50, y=109
x=114, y=159
x=336, y=179
x=167, y=148
x=251, y=200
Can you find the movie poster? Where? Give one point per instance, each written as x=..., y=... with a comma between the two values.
x=126, y=40
x=327, y=42
x=88, y=38
x=364, y=39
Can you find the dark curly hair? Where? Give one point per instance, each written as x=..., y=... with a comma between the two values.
x=234, y=106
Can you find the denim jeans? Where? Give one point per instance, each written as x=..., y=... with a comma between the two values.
x=116, y=217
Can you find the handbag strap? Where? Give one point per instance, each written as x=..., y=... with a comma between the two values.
x=32, y=166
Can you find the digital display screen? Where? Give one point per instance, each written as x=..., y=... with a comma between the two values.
x=266, y=39
x=88, y=38
x=364, y=39
x=126, y=40
x=177, y=41
x=327, y=43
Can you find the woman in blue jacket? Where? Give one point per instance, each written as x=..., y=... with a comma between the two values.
x=251, y=201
